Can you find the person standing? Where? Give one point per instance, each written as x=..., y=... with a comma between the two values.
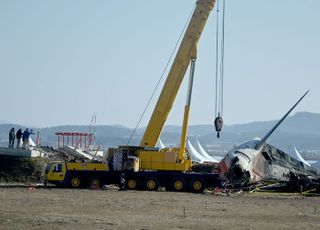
x=19, y=138
x=11, y=138
x=122, y=183
x=25, y=139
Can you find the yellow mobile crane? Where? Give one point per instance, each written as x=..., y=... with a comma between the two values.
x=144, y=166
x=174, y=160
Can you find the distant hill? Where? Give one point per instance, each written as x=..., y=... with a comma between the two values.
x=302, y=122
x=301, y=130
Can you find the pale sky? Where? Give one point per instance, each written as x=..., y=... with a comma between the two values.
x=61, y=61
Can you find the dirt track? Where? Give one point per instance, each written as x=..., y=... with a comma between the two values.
x=112, y=209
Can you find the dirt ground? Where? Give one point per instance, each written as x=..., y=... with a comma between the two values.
x=22, y=208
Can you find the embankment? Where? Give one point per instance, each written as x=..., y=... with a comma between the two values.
x=21, y=170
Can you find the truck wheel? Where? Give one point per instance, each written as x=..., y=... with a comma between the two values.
x=197, y=185
x=95, y=183
x=178, y=185
x=75, y=182
x=133, y=183
x=151, y=184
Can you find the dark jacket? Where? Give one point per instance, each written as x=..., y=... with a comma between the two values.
x=11, y=134
x=19, y=134
x=26, y=134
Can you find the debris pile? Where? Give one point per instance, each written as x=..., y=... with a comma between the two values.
x=206, y=167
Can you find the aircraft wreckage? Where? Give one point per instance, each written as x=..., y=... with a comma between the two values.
x=255, y=161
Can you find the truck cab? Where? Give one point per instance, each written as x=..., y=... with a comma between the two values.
x=77, y=174
x=55, y=172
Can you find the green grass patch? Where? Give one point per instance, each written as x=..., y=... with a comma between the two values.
x=21, y=170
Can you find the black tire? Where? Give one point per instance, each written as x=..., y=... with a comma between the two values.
x=133, y=183
x=178, y=185
x=95, y=183
x=75, y=182
x=151, y=184
x=197, y=185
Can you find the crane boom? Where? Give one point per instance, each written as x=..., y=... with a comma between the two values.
x=186, y=52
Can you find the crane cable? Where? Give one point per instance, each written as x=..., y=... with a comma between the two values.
x=162, y=75
x=219, y=69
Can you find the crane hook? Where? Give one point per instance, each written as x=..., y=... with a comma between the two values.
x=218, y=123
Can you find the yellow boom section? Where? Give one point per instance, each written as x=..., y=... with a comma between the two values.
x=186, y=52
